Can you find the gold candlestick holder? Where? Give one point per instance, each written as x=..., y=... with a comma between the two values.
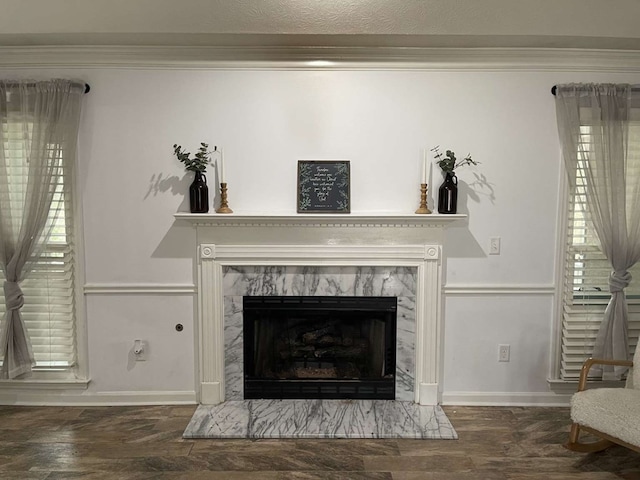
x=423, y=200
x=224, y=206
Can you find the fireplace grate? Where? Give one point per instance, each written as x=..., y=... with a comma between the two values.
x=321, y=389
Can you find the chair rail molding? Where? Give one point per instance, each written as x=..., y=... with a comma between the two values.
x=139, y=289
x=498, y=289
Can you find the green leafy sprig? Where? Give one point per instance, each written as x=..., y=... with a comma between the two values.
x=199, y=162
x=448, y=161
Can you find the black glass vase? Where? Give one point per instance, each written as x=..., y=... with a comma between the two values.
x=199, y=194
x=448, y=194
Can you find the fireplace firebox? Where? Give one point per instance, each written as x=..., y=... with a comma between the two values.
x=319, y=347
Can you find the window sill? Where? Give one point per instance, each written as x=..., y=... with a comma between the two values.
x=41, y=380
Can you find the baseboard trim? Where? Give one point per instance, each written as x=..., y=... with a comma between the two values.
x=71, y=398
x=506, y=399
x=101, y=399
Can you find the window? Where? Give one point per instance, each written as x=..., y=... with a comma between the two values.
x=585, y=286
x=49, y=311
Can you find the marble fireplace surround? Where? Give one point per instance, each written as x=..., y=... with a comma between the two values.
x=360, y=281
x=382, y=245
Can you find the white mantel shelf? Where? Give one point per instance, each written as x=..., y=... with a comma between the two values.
x=321, y=220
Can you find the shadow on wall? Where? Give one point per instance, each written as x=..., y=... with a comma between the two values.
x=460, y=243
x=179, y=239
x=177, y=186
x=481, y=187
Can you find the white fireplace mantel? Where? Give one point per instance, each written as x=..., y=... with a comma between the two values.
x=319, y=240
x=320, y=220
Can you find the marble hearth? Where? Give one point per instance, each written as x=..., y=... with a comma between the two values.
x=360, y=255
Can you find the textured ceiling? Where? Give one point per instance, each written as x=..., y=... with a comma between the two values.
x=370, y=23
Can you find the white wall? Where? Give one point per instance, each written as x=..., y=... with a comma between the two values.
x=266, y=120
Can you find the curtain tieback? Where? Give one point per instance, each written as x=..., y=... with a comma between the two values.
x=13, y=296
x=618, y=281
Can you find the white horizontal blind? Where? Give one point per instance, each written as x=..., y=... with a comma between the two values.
x=586, y=280
x=48, y=309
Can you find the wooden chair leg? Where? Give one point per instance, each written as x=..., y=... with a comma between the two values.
x=575, y=445
x=574, y=435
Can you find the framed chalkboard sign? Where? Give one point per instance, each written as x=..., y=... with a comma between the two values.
x=324, y=186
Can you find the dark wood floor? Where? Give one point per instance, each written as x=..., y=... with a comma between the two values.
x=145, y=443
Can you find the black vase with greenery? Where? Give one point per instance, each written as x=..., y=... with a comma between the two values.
x=448, y=194
x=198, y=191
x=448, y=191
x=199, y=194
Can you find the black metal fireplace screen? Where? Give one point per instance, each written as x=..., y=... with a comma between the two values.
x=319, y=347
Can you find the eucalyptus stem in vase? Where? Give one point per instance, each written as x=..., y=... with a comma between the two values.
x=448, y=191
x=198, y=190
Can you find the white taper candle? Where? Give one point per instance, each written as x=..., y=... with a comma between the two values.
x=221, y=166
x=424, y=166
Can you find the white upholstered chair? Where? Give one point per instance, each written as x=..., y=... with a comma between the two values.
x=612, y=414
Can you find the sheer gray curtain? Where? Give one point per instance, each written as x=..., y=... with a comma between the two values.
x=41, y=119
x=594, y=124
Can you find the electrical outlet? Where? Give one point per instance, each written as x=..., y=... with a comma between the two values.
x=494, y=246
x=140, y=350
x=504, y=353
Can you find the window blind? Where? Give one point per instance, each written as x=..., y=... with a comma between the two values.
x=587, y=270
x=48, y=311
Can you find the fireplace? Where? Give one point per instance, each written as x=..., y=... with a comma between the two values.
x=319, y=347
x=390, y=255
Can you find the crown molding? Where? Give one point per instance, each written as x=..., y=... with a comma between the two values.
x=321, y=58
